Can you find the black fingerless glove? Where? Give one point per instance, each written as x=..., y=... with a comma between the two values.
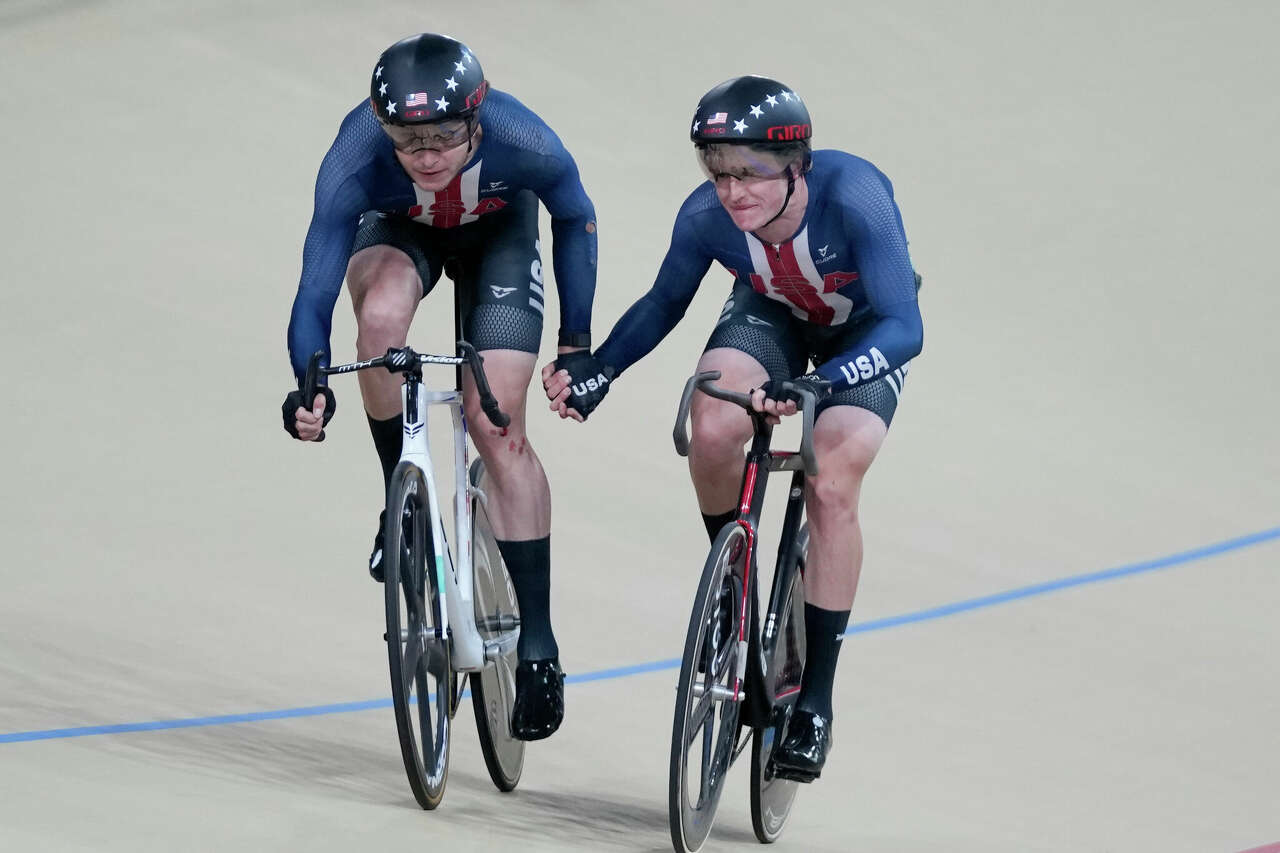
x=589, y=380
x=293, y=402
x=783, y=390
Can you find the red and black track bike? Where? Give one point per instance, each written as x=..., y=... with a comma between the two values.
x=740, y=674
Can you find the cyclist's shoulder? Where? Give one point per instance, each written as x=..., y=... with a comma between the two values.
x=508, y=123
x=841, y=172
x=700, y=207
x=359, y=144
x=848, y=178
x=701, y=215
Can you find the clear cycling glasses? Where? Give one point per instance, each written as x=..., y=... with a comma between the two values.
x=438, y=136
x=722, y=162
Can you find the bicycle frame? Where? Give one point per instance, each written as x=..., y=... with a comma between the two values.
x=761, y=461
x=455, y=576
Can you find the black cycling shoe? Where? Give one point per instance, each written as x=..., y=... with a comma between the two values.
x=377, y=560
x=539, y=705
x=804, y=750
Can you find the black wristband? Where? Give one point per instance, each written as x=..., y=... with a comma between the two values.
x=573, y=339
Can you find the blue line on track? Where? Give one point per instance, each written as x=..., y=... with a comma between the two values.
x=1168, y=561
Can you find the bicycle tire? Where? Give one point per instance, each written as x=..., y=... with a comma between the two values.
x=493, y=689
x=711, y=659
x=784, y=655
x=422, y=679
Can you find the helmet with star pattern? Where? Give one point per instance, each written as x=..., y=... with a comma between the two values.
x=750, y=109
x=426, y=78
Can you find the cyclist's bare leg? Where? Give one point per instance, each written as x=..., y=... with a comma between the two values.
x=385, y=290
x=721, y=429
x=519, y=506
x=519, y=499
x=845, y=440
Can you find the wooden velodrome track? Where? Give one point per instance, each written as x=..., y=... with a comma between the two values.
x=1091, y=193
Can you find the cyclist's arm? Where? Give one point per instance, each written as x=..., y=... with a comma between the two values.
x=655, y=314
x=339, y=201
x=875, y=227
x=573, y=237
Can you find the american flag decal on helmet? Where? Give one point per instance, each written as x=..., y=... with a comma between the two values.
x=415, y=99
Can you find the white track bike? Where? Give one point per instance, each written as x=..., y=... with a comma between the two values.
x=446, y=615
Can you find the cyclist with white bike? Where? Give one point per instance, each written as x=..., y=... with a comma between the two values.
x=815, y=244
x=435, y=174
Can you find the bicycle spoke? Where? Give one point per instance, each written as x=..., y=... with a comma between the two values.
x=415, y=608
x=720, y=663
x=437, y=660
x=425, y=713
x=412, y=653
x=708, y=740
x=698, y=714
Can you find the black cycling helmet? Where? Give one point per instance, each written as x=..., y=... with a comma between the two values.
x=760, y=112
x=750, y=109
x=426, y=78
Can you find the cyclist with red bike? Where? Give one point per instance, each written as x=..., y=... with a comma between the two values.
x=815, y=244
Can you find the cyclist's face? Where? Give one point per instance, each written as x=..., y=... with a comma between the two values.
x=432, y=154
x=751, y=185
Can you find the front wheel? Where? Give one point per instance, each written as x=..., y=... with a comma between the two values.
x=493, y=689
x=709, y=694
x=784, y=655
x=422, y=679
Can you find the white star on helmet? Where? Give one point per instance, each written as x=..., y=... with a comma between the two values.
x=462, y=69
x=786, y=96
x=377, y=75
x=382, y=90
x=771, y=100
x=756, y=111
x=391, y=108
x=739, y=125
x=442, y=104
x=451, y=84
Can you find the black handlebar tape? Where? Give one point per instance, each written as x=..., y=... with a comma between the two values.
x=680, y=434
x=310, y=382
x=496, y=416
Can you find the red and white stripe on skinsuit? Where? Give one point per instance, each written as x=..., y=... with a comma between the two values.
x=787, y=273
x=451, y=206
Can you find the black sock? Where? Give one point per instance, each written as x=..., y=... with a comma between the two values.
x=823, y=633
x=715, y=522
x=388, y=438
x=529, y=564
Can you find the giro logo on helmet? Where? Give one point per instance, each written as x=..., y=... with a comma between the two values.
x=788, y=132
x=474, y=99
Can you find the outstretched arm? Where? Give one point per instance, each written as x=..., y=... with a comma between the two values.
x=573, y=243
x=655, y=314
x=577, y=382
x=339, y=201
